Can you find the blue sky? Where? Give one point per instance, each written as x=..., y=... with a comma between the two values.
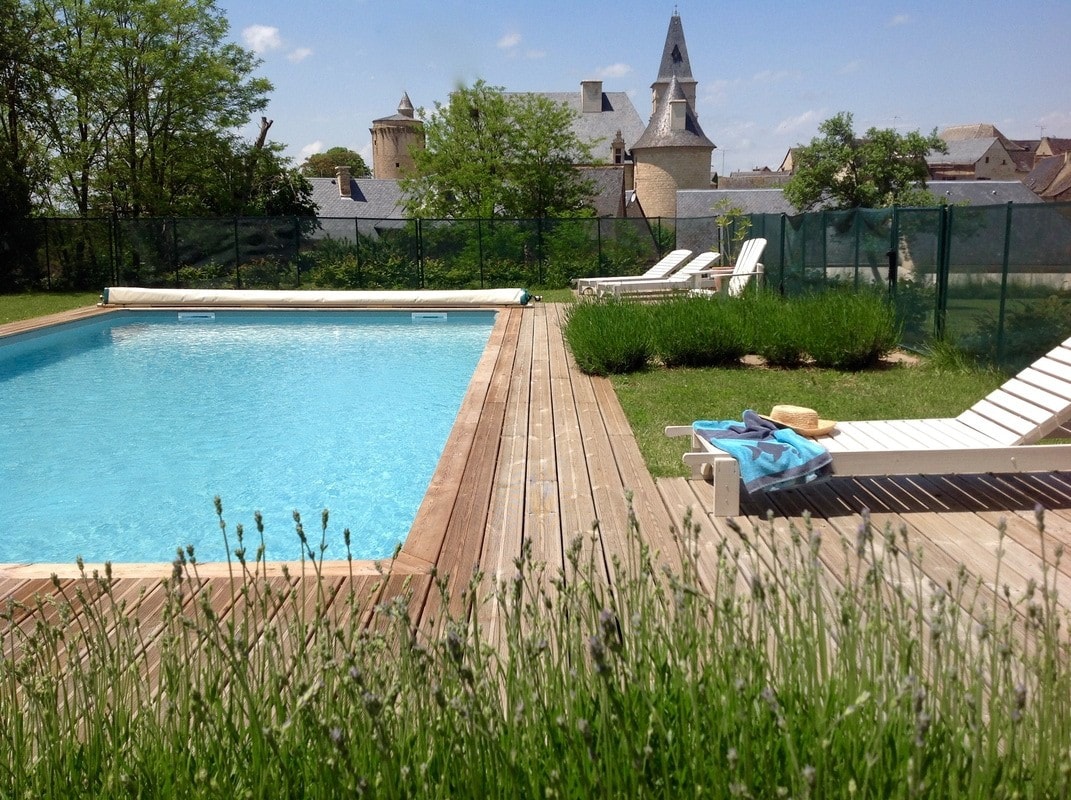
x=769, y=71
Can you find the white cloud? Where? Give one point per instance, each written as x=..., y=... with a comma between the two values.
x=898, y=20
x=617, y=70
x=298, y=54
x=509, y=40
x=850, y=68
x=262, y=38
x=312, y=149
x=533, y=55
x=795, y=123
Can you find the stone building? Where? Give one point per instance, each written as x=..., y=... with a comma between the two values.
x=673, y=153
x=393, y=141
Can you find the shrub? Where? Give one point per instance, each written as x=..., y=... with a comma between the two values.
x=774, y=328
x=848, y=330
x=608, y=336
x=697, y=331
x=1031, y=327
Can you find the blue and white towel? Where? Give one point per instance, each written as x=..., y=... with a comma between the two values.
x=770, y=457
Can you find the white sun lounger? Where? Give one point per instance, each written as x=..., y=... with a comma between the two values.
x=691, y=275
x=747, y=265
x=996, y=434
x=660, y=269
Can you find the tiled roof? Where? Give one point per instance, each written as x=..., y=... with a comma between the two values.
x=660, y=132
x=979, y=130
x=599, y=128
x=1042, y=175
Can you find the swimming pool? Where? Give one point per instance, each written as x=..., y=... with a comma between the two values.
x=120, y=430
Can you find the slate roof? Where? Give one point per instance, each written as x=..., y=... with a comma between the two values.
x=983, y=193
x=962, y=151
x=660, y=131
x=675, y=63
x=371, y=198
x=609, y=197
x=599, y=129
x=697, y=203
x=405, y=112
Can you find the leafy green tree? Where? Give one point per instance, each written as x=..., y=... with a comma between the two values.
x=883, y=168
x=25, y=61
x=492, y=154
x=322, y=165
x=146, y=92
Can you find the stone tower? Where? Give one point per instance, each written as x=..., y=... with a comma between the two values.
x=393, y=140
x=673, y=153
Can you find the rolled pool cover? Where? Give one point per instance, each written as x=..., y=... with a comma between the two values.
x=313, y=298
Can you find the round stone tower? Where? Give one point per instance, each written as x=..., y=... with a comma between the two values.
x=394, y=139
x=673, y=153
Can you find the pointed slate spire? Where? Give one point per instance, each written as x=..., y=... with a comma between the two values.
x=405, y=106
x=675, y=64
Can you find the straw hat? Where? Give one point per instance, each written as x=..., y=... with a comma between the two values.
x=803, y=421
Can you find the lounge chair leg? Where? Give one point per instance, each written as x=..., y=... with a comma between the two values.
x=726, y=486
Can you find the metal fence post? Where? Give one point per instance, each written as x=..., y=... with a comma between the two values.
x=479, y=248
x=1004, y=282
x=781, y=259
x=237, y=258
x=420, y=251
x=174, y=252
x=943, y=237
x=894, y=250
x=297, y=251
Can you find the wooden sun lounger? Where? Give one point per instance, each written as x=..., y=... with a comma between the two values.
x=997, y=434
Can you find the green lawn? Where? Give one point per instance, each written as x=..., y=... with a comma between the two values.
x=15, y=307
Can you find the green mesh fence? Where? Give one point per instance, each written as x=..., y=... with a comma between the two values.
x=992, y=279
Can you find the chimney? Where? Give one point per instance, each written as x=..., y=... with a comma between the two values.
x=591, y=96
x=678, y=112
x=342, y=178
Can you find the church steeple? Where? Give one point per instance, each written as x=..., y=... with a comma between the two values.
x=675, y=64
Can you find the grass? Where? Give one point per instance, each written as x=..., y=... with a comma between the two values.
x=660, y=397
x=755, y=681
x=16, y=307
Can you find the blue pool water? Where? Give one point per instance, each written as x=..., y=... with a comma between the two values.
x=119, y=431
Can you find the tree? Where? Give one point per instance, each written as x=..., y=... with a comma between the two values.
x=882, y=168
x=146, y=92
x=322, y=165
x=492, y=154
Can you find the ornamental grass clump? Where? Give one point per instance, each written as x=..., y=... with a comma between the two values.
x=771, y=661
x=608, y=336
x=847, y=329
x=689, y=331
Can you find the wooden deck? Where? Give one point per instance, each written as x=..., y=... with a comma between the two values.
x=541, y=452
